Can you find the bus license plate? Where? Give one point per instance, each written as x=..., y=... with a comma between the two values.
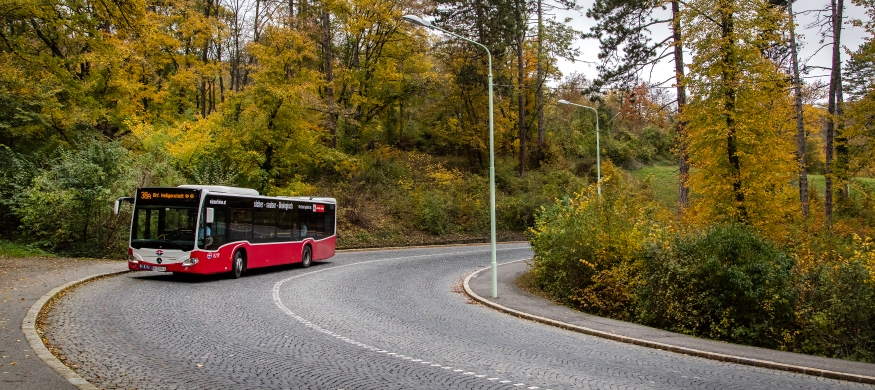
x=159, y=269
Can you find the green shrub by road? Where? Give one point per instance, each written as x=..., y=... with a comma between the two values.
x=619, y=256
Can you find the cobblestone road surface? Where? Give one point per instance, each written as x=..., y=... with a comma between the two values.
x=364, y=320
x=23, y=282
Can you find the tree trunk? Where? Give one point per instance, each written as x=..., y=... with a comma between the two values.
x=521, y=97
x=834, y=80
x=331, y=118
x=204, y=58
x=842, y=169
x=800, y=123
x=400, y=121
x=730, y=81
x=680, y=88
x=291, y=13
x=539, y=97
x=521, y=107
x=843, y=158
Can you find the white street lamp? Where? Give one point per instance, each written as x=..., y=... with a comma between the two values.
x=417, y=20
x=598, y=150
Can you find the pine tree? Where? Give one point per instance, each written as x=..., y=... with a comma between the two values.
x=623, y=29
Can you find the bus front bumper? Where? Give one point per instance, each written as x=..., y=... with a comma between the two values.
x=190, y=265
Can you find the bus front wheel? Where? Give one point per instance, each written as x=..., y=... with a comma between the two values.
x=237, y=265
x=306, y=257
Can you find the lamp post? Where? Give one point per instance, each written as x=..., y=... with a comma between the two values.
x=417, y=20
x=598, y=150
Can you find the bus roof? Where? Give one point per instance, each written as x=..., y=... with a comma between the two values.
x=222, y=189
x=322, y=199
x=251, y=192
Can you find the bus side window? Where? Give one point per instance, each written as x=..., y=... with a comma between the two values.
x=219, y=228
x=314, y=223
x=318, y=226
x=284, y=221
x=329, y=220
x=241, y=225
x=264, y=226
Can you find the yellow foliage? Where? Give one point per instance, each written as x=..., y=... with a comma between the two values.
x=865, y=252
x=743, y=99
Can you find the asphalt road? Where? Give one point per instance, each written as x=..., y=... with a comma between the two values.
x=391, y=319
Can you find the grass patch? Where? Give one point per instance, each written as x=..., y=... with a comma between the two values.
x=12, y=249
x=663, y=183
x=818, y=183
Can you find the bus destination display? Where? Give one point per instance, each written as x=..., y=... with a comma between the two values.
x=168, y=196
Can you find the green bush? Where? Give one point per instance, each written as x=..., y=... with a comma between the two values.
x=433, y=213
x=588, y=247
x=67, y=207
x=624, y=150
x=727, y=284
x=516, y=212
x=661, y=141
x=16, y=174
x=836, y=310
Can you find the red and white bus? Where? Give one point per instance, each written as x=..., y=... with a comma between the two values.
x=214, y=229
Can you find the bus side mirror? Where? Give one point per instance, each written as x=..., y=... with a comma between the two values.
x=211, y=214
x=118, y=202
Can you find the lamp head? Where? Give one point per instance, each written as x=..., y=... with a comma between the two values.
x=416, y=20
x=563, y=101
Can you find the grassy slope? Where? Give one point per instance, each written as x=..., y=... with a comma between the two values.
x=15, y=250
x=664, y=182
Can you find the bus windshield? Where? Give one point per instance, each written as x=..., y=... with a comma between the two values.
x=163, y=227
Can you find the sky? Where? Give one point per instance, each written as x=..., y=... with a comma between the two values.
x=852, y=37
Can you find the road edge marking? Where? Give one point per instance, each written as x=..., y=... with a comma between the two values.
x=665, y=347
x=28, y=327
x=278, y=302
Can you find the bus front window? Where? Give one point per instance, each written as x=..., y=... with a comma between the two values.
x=164, y=227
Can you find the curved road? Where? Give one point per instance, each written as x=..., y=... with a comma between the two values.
x=391, y=319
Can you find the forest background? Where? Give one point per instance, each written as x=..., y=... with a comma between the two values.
x=342, y=98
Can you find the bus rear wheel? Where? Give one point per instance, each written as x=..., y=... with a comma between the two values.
x=306, y=257
x=237, y=265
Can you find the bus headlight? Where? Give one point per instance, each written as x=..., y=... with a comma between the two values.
x=190, y=262
x=131, y=257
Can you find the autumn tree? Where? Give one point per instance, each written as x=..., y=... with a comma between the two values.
x=860, y=82
x=737, y=117
x=62, y=56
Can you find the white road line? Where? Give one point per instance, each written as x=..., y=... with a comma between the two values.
x=279, y=303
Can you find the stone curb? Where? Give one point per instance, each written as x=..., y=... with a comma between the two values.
x=28, y=326
x=666, y=347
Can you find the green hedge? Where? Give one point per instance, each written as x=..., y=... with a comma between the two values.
x=725, y=284
x=618, y=256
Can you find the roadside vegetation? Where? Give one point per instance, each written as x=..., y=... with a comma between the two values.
x=628, y=256
x=16, y=250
